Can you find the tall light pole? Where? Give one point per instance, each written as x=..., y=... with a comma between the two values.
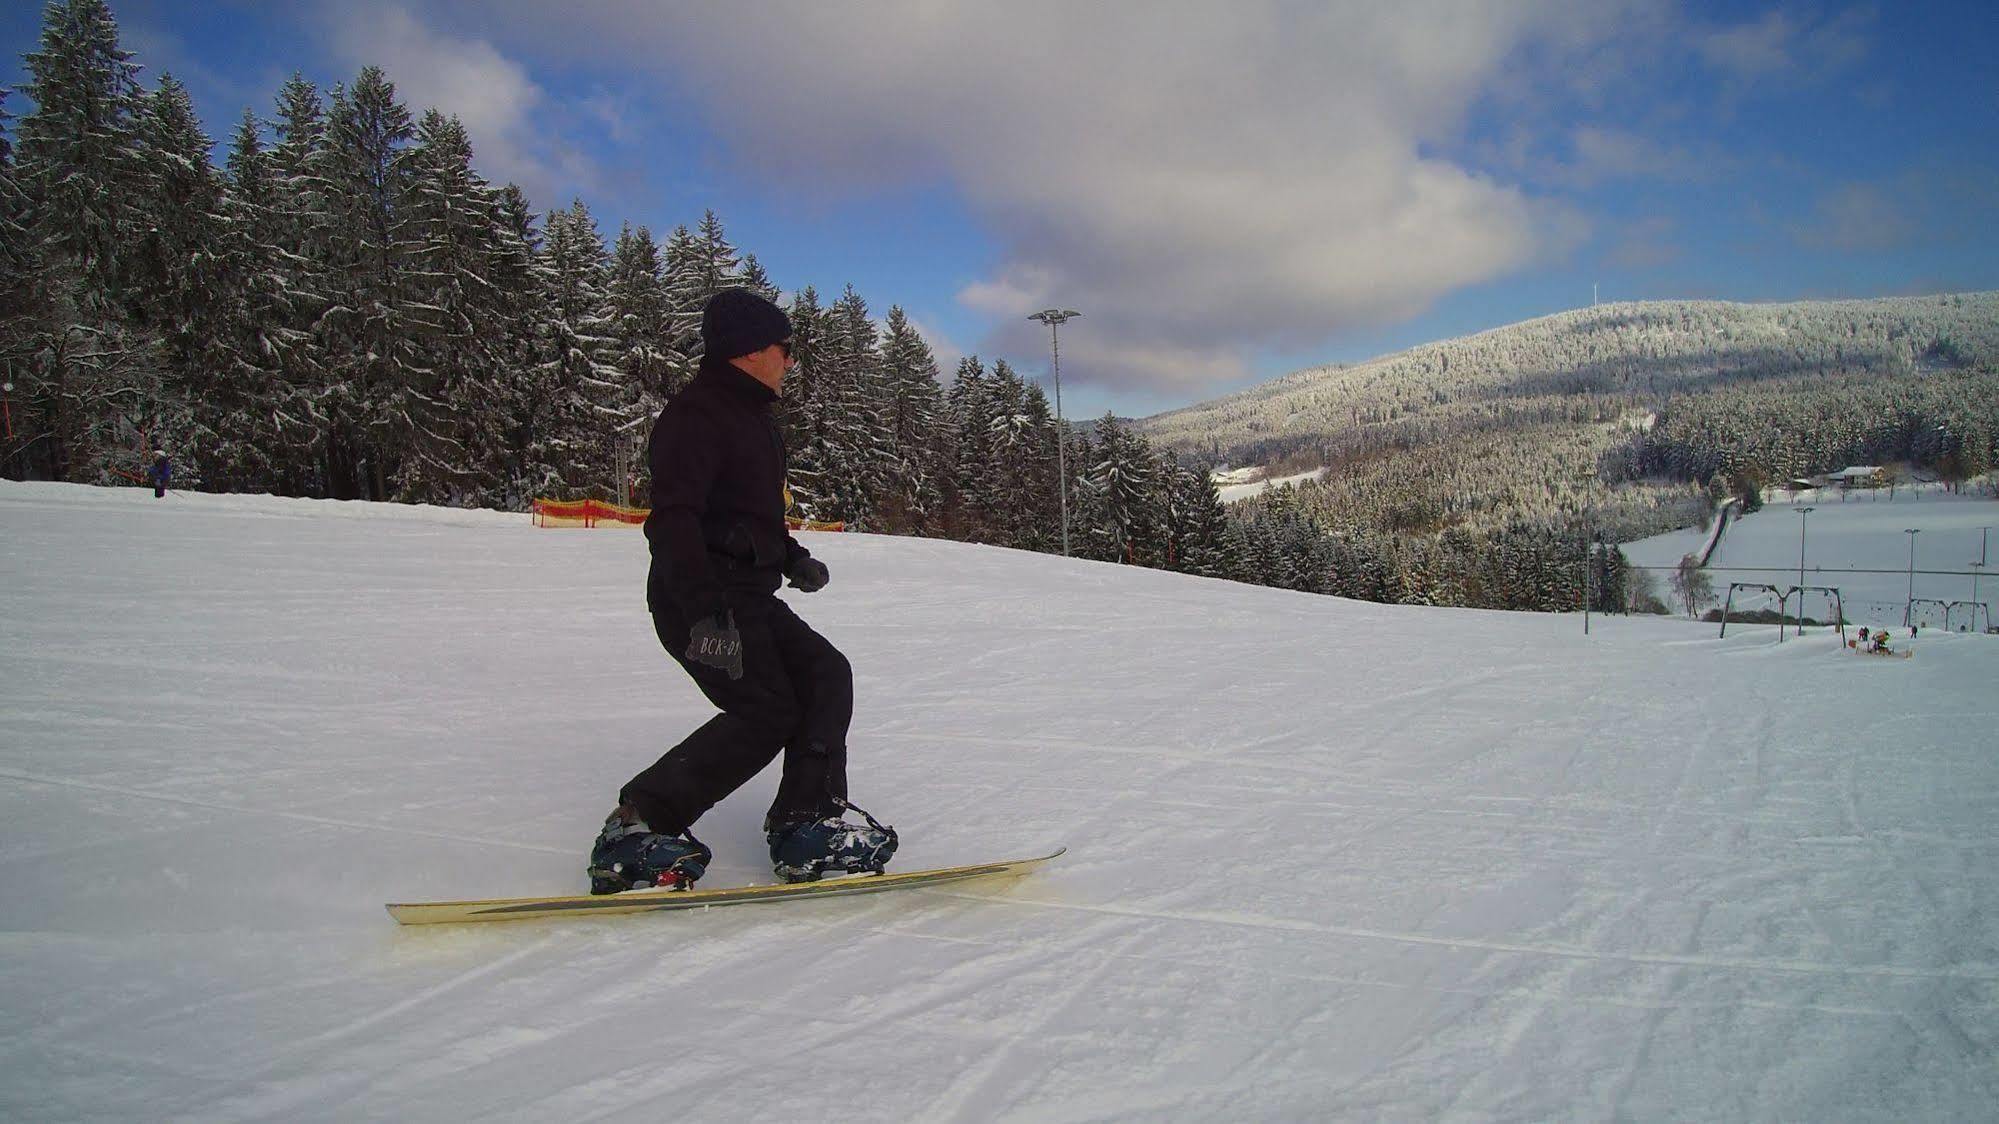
x=1909, y=610
x=1802, y=513
x=1055, y=318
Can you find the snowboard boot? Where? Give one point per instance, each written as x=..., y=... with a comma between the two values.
x=630, y=855
x=808, y=850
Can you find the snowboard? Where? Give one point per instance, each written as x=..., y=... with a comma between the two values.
x=652, y=901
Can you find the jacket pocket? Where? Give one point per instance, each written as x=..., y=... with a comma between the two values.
x=752, y=545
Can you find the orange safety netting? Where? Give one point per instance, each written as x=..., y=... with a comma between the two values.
x=592, y=513
x=585, y=513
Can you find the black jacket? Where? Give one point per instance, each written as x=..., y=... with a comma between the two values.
x=717, y=522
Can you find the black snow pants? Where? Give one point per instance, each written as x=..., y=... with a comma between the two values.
x=796, y=696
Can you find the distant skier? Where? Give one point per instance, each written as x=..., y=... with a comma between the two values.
x=719, y=550
x=160, y=473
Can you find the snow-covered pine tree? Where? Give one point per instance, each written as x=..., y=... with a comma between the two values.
x=697, y=266
x=1040, y=499
x=756, y=280
x=1007, y=489
x=13, y=210
x=459, y=316
x=78, y=150
x=22, y=297
x=16, y=250
x=297, y=235
x=968, y=444
x=1239, y=552
x=714, y=265
x=588, y=398
x=367, y=330
x=177, y=287
x=909, y=375
x=504, y=423
x=800, y=411
x=1124, y=481
x=247, y=417
x=76, y=160
x=685, y=299
x=172, y=277
x=1308, y=559
x=853, y=453
x=642, y=316
x=1196, y=527
x=641, y=321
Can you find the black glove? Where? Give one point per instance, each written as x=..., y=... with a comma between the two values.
x=716, y=642
x=808, y=575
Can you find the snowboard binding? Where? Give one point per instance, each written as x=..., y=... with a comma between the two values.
x=630, y=855
x=809, y=850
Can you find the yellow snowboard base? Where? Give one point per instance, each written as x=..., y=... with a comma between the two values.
x=650, y=901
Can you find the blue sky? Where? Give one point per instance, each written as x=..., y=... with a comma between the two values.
x=1227, y=192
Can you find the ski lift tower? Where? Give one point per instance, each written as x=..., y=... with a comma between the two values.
x=1804, y=516
x=1908, y=610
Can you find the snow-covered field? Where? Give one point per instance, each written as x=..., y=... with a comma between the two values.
x=1328, y=860
x=1242, y=484
x=1855, y=542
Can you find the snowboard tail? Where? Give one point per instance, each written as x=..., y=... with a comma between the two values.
x=651, y=901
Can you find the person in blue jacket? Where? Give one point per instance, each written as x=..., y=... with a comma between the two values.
x=160, y=474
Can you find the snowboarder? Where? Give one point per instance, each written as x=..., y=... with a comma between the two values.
x=160, y=473
x=719, y=551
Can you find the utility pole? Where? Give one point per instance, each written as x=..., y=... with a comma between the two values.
x=1802, y=513
x=1055, y=318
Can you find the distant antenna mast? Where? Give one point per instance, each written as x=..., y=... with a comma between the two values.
x=1592, y=294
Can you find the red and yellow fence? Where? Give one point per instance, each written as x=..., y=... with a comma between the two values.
x=597, y=513
x=585, y=513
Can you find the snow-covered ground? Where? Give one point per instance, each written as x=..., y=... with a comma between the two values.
x=1856, y=543
x=1328, y=860
x=1242, y=483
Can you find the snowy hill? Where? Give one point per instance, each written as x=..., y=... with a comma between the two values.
x=1855, y=542
x=1328, y=860
x=1635, y=348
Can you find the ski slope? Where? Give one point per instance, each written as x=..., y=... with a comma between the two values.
x=1855, y=542
x=1231, y=486
x=1328, y=860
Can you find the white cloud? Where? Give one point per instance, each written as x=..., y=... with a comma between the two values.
x=1615, y=154
x=1785, y=44
x=1204, y=181
x=943, y=348
x=1646, y=243
x=503, y=109
x=1855, y=217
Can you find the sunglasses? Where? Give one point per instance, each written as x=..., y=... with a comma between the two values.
x=785, y=346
